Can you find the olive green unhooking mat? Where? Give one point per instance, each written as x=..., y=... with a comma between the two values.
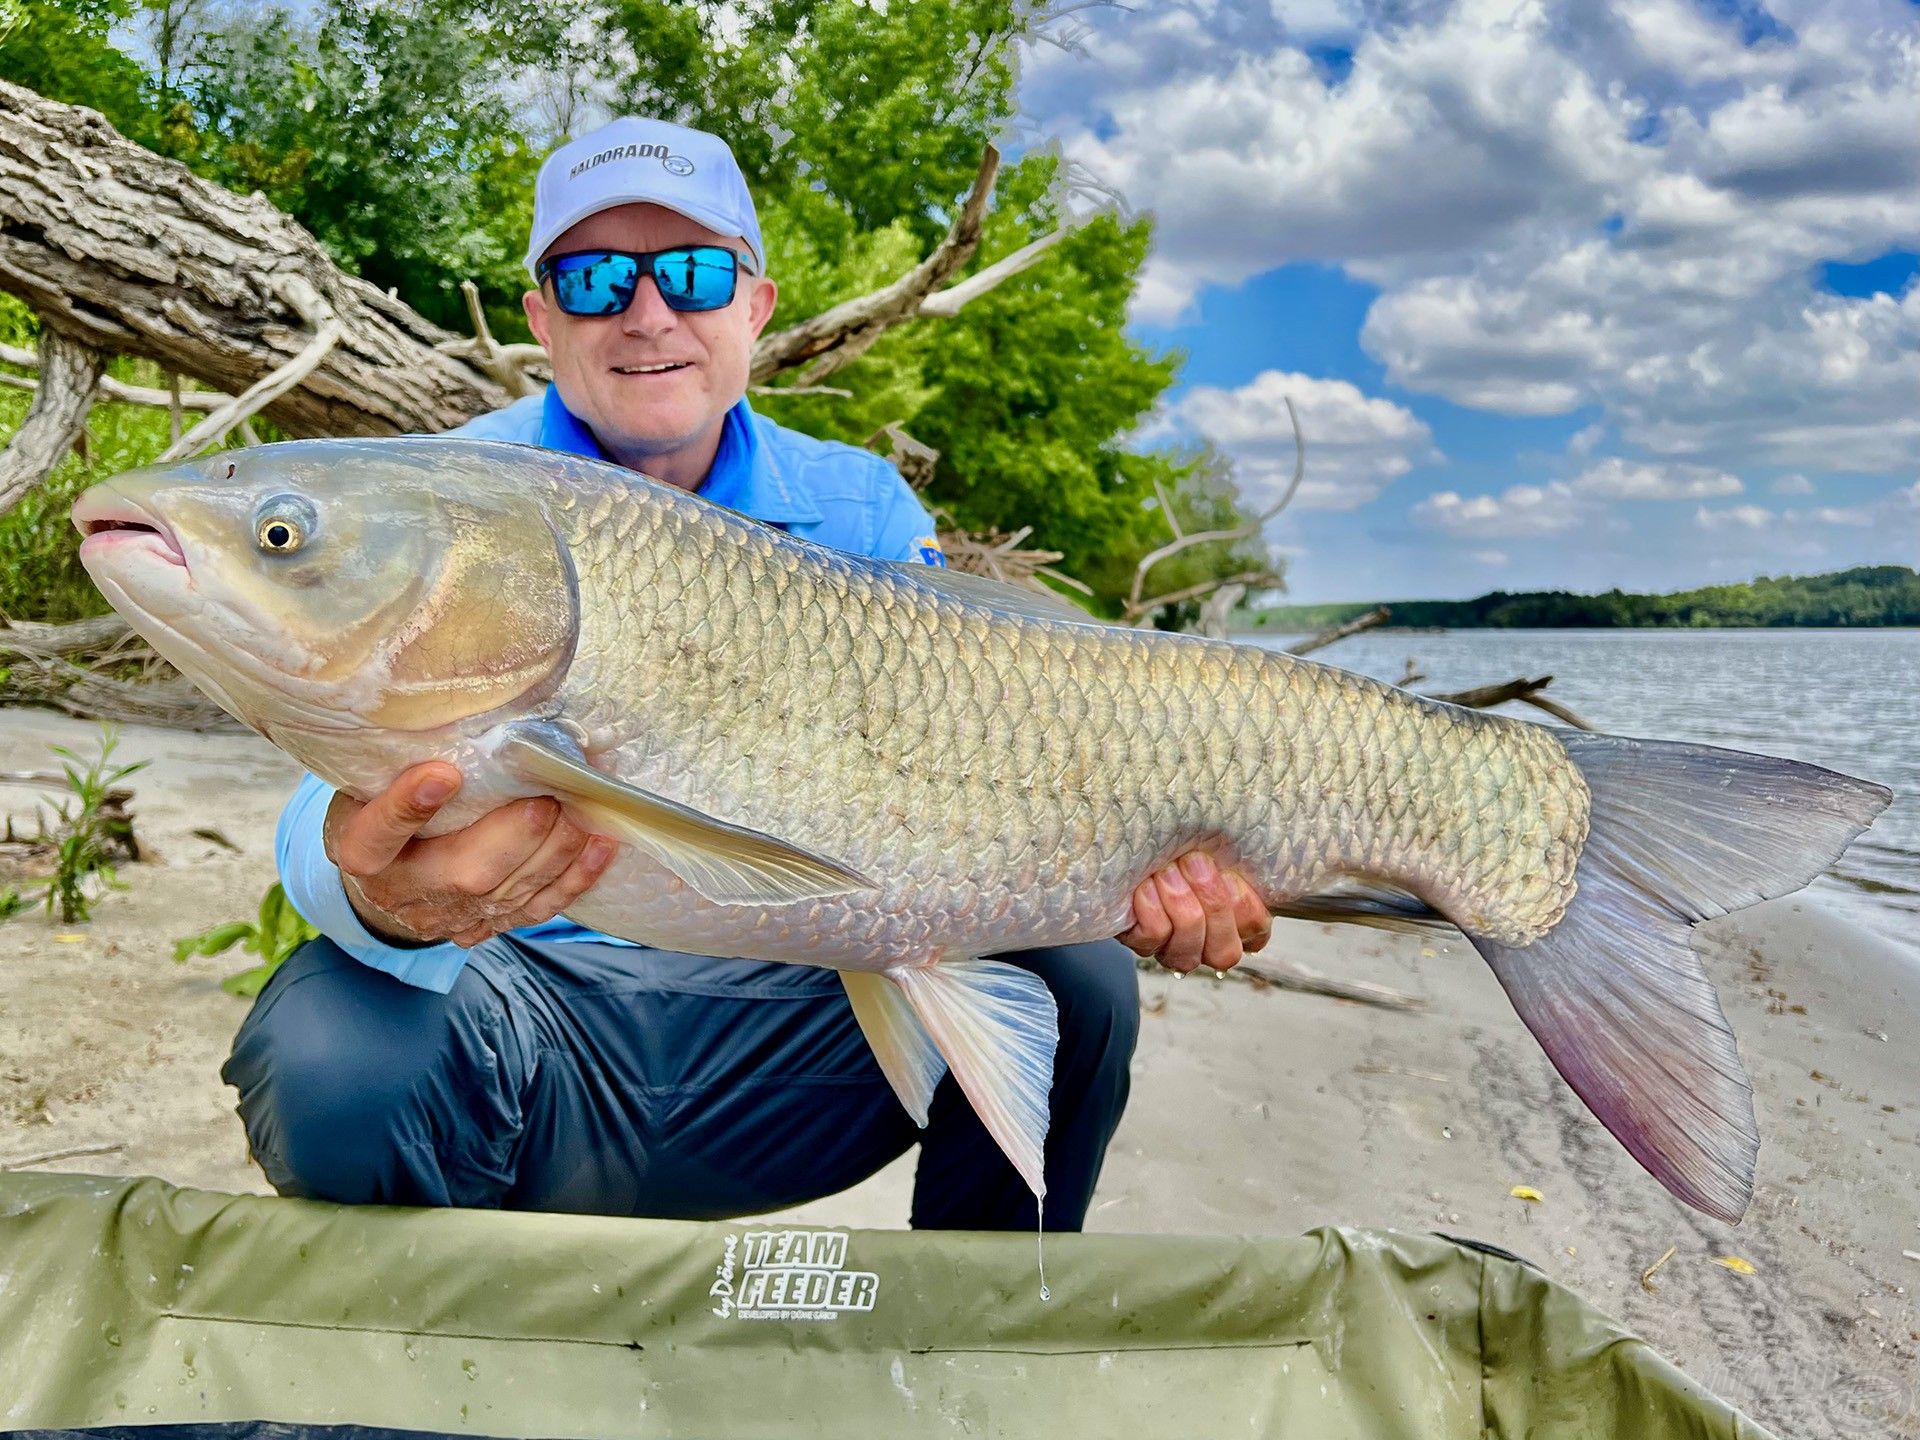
x=131, y=1303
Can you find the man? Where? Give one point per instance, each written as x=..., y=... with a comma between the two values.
x=450, y=1040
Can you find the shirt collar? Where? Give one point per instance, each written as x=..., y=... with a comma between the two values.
x=745, y=475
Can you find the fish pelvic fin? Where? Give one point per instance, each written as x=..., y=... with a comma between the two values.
x=722, y=862
x=908, y=1057
x=1615, y=993
x=998, y=1028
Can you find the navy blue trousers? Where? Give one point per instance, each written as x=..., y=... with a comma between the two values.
x=600, y=1079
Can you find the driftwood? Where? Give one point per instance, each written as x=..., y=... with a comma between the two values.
x=1527, y=691
x=1376, y=616
x=112, y=389
x=1270, y=974
x=57, y=417
x=130, y=253
x=60, y=666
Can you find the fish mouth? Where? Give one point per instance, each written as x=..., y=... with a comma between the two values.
x=110, y=523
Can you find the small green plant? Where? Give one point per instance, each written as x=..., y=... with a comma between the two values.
x=85, y=840
x=273, y=936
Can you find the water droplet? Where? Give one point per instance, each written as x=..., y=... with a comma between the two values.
x=472, y=1371
x=112, y=1335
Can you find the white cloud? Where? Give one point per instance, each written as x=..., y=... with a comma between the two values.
x=1356, y=444
x=1519, y=510
x=1491, y=558
x=1617, y=479
x=1749, y=517
x=1566, y=205
x=1861, y=515
x=1792, y=485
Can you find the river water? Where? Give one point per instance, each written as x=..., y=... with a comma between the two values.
x=1845, y=699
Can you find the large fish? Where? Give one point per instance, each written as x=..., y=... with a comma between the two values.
x=895, y=770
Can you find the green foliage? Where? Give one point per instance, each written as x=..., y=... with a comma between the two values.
x=1865, y=595
x=62, y=49
x=274, y=934
x=405, y=135
x=40, y=573
x=84, y=838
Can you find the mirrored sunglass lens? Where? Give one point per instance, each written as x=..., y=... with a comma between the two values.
x=595, y=284
x=699, y=277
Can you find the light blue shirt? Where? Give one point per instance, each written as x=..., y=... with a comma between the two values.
x=824, y=491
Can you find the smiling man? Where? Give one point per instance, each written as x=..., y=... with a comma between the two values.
x=452, y=1039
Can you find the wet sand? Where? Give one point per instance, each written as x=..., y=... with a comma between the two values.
x=1253, y=1111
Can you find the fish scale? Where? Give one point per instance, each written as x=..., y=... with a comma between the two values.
x=895, y=771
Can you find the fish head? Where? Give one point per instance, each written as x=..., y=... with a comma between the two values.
x=319, y=587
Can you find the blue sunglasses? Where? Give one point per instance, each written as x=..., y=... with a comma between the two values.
x=603, y=282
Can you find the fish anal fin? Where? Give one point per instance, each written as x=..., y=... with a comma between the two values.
x=1367, y=900
x=997, y=1026
x=725, y=863
x=908, y=1057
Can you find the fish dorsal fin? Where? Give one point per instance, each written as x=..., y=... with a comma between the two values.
x=1368, y=900
x=1021, y=600
x=725, y=863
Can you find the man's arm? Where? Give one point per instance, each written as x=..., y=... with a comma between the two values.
x=363, y=877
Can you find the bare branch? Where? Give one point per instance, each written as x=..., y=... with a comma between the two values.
x=57, y=417
x=947, y=303
x=834, y=390
x=1485, y=696
x=110, y=388
x=213, y=429
x=843, y=333
x=1377, y=616
x=1137, y=607
x=1166, y=509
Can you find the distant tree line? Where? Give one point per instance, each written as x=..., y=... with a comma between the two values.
x=1865, y=595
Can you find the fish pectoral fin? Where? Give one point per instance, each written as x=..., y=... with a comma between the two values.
x=722, y=862
x=1365, y=900
x=997, y=1026
x=908, y=1057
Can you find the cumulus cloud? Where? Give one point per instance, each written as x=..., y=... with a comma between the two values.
x=1617, y=479
x=1357, y=444
x=1565, y=205
x=1749, y=517
x=1519, y=510
x=1792, y=485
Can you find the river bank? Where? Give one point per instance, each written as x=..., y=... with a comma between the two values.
x=1253, y=1111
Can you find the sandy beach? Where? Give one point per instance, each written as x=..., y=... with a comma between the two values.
x=1253, y=1111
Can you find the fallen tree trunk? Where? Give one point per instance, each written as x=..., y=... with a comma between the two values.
x=130, y=253
x=55, y=419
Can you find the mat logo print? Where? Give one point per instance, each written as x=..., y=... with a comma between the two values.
x=789, y=1275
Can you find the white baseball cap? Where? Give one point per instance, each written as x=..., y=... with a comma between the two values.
x=632, y=159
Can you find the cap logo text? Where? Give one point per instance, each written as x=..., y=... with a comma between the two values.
x=674, y=164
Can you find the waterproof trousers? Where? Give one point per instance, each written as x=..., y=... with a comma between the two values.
x=603, y=1079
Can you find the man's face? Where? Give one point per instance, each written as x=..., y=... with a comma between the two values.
x=637, y=412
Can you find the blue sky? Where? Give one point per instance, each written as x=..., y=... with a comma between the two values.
x=1568, y=294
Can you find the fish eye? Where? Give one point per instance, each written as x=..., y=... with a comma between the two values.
x=283, y=524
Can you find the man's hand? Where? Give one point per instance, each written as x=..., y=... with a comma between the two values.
x=517, y=865
x=1192, y=914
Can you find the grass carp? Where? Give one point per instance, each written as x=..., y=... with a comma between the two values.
x=896, y=770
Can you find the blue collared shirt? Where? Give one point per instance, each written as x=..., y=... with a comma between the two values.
x=824, y=491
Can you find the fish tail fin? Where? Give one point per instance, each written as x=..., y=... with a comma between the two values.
x=1614, y=992
x=997, y=1026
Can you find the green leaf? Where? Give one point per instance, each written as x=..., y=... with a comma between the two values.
x=212, y=942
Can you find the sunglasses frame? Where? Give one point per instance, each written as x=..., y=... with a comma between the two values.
x=645, y=259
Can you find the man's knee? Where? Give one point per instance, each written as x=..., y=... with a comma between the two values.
x=355, y=1086
x=1096, y=988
